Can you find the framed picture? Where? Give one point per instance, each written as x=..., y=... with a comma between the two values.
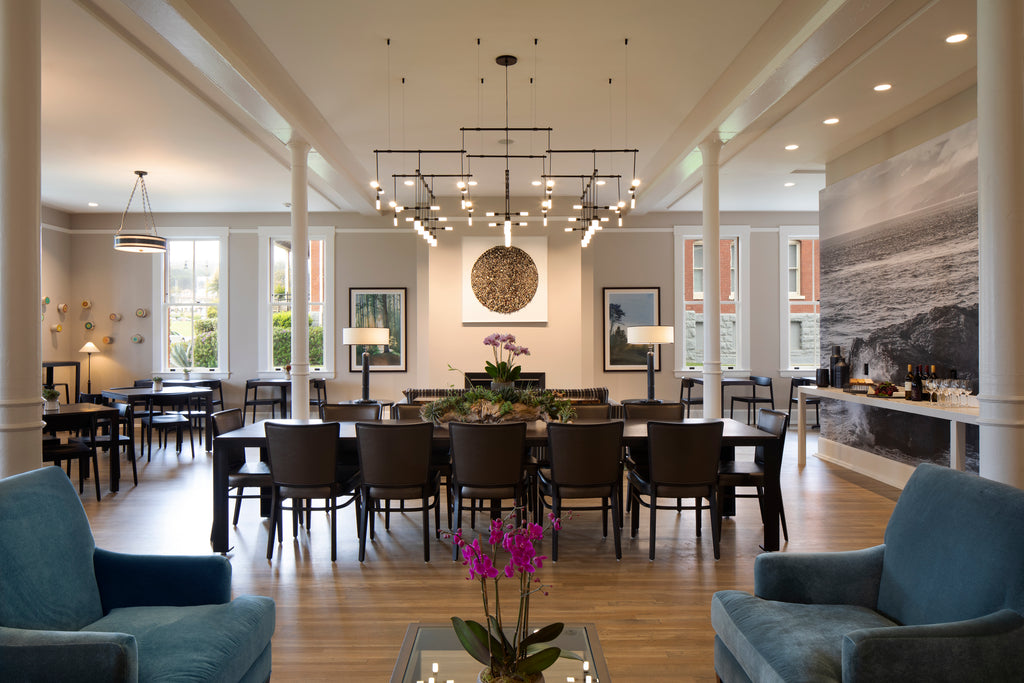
x=625, y=307
x=378, y=308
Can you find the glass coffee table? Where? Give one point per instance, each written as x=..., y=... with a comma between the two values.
x=431, y=653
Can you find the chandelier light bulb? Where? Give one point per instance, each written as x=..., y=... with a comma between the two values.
x=471, y=219
x=374, y=184
x=409, y=183
x=378, y=203
x=636, y=182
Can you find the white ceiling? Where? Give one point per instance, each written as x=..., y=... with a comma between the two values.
x=205, y=94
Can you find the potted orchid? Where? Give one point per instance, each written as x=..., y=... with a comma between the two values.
x=502, y=371
x=517, y=654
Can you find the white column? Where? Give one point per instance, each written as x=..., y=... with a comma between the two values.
x=1001, y=239
x=20, y=336
x=300, y=278
x=709, y=150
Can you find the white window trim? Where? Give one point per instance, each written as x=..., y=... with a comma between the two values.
x=266, y=233
x=786, y=235
x=160, y=302
x=681, y=233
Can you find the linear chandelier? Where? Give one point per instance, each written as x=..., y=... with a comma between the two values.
x=421, y=207
x=140, y=243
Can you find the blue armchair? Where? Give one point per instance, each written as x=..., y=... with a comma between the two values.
x=941, y=600
x=70, y=611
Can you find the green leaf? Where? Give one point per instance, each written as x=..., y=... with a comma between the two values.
x=539, y=661
x=544, y=635
x=474, y=639
x=508, y=652
x=513, y=374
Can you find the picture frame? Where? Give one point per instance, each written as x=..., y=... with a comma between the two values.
x=379, y=307
x=625, y=307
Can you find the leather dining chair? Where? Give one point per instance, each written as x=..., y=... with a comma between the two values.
x=241, y=474
x=488, y=463
x=350, y=412
x=753, y=472
x=636, y=457
x=586, y=462
x=686, y=396
x=684, y=461
x=593, y=411
x=303, y=468
x=394, y=464
x=811, y=401
x=754, y=399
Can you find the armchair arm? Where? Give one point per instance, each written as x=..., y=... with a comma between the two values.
x=68, y=656
x=988, y=648
x=843, y=578
x=144, y=580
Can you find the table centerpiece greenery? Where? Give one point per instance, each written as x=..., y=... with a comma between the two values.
x=508, y=404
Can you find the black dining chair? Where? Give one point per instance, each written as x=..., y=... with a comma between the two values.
x=684, y=461
x=754, y=399
x=754, y=472
x=488, y=463
x=796, y=382
x=166, y=414
x=273, y=396
x=586, y=462
x=686, y=397
x=81, y=449
x=394, y=464
x=593, y=411
x=241, y=473
x=303, y=468
x=350, y=412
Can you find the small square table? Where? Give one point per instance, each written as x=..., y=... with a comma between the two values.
x=427, y=645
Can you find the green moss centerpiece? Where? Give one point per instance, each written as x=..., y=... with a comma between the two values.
x=509, y=404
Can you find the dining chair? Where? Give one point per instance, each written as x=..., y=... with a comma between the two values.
x=241, y=474
x=593, y=411
x=586, y=462
x=83, y=450
x=440, y=456
x=686, y=397
x=636, y=457
x=274, y=399
x=167, y=413
x=754, y=472
x=683, y=464
x=796, y=382
x=394, y=464
x=350, y=412
x=303, y=468
x=488, y=463
x=754, y=399
x=406, y=411
x=125, y=427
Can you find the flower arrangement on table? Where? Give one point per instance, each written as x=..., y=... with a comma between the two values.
x=502, y=370
x=526, y=654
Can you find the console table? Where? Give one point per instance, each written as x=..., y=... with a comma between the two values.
x=958, y=418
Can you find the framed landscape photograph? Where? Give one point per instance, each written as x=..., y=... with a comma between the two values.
x=626, y=307
x=378, y=308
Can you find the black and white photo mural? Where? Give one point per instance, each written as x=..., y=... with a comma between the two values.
x=899, y=286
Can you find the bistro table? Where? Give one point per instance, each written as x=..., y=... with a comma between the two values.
x=149, y=394
x=231, y=445
x=75, y=416
x=433, y=652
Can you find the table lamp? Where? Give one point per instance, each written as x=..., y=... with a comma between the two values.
x=366, y=336
x=90, y=349
x=650, y=335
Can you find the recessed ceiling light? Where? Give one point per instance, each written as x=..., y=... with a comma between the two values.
x=831, y=121
x=956, y=38
x=882, y=87
x=790, y=148
x=790, y=184
x=93, y=204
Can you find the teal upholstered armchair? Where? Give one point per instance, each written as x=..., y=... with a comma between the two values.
x=941, y=600
x=70, y=611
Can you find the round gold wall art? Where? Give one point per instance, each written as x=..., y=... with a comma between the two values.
x=504, y=279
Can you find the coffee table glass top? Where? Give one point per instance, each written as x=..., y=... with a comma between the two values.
x=431, y=653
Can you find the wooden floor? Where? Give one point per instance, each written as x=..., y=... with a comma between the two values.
x=345, y=621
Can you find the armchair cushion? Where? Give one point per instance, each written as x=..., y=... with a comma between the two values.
x=70, y=656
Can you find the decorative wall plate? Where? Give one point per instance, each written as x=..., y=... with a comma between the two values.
x=46, y=300
x=137, y=339
x=86, y=303
x=108, y=340
x=115, y=317
x=62, y=308
x=141, y=313
x=56, y=328
x=89, y=325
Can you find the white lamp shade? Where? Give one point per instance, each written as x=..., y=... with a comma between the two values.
x=650, y=334
x=89, y=347
x=368, y=336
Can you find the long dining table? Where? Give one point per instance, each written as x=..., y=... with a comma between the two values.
x=231, y=447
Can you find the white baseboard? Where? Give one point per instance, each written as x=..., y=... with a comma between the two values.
x=875, y=466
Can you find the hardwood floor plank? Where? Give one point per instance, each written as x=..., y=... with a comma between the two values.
x=345, y=621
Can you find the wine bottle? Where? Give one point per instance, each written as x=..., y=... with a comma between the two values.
x=908, y=382
x=933, y=375
x=917, y=387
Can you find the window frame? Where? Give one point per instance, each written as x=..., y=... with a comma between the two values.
x=790, y=268
x=264, y=364
x=161, y=303
x=788, y=235
x=740, y=299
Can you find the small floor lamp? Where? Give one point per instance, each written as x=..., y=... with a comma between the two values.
x=366, y=336
x=650, y=335
x=89, y=348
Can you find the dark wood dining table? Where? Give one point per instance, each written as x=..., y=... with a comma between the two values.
x=150, y=395
x=76, y=416
x=231, y=446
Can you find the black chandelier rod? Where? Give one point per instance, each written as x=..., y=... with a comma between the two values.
x=593, y=151
x=506, y=156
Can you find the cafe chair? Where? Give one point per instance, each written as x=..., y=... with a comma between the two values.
x=636, y=456
x=686, y=396
x=241, y=474
x=317, y=392
x=755, y=472
x=941, y=599
x=683, y=464
x=83, y=450
x=167, y=414
x=586, y=462
x=593, y=411
x=124, y=427
x=350, y=412
x=274, y=399
x=303, y=468
x=70, y=611
x=754, y=399
x=394, y=464
x=810, y=401
x=488, y=463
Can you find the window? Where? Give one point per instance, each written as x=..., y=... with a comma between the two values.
x=275, y=320
x=691, y=291
x=800, y=293
x=193, y=285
